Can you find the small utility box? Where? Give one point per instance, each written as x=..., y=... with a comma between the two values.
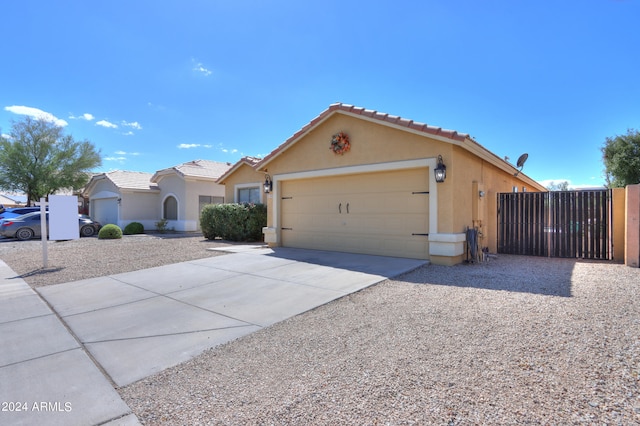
x=63, y=217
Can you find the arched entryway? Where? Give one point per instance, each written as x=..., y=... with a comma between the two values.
x=170, y=208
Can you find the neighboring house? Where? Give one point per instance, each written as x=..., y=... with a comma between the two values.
x=176, y=194
x=20, y=200
x=120, y=197
x=13, y=200
x=356, y=180
x=186, y=188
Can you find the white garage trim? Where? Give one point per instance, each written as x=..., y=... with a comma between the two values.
x=105, y=194
x=273, y=233
x=447, y=244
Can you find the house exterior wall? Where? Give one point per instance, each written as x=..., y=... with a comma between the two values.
x=460, y=200
x=244, y=176
x=142, y=207
x=187, y=192
x=371, y=143
x=193, y=190
x=173, y=185
x=102, y=187
x=457, y=199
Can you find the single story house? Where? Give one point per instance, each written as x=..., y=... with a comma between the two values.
x=176, y=194
x=361, y=181
x=13, y=200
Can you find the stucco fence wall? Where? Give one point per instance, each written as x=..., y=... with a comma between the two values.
x=632, y=226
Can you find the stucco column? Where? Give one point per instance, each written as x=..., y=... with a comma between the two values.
x=632, y=226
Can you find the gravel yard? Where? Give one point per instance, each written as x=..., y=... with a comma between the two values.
x=515, y=341
x=518, y=340
x=90, y=257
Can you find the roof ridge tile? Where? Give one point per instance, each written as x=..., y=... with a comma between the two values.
x=373, y=114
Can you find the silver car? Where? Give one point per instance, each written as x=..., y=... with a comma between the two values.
x=27, y=226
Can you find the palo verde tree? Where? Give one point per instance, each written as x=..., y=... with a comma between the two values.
x=621, y=158
x=37, y=158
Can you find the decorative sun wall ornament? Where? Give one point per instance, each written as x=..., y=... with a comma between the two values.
x=340, y=143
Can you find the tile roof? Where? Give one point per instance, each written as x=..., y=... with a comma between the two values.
x=130, y=180
x=461, y=139
x=249, y=161
x=196, y=168
x=371, y=114
x=394, y=119
x=13, y=199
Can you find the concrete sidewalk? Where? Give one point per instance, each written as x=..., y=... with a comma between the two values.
x=138, y=323
x=46, y=377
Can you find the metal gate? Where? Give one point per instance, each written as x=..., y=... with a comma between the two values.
x=575, y=224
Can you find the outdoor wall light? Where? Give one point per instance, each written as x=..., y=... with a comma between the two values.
x=481, y=194
x=440, y=170
x=268, y=184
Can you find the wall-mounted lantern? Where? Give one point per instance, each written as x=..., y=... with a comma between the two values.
x=440, y=170
x=268, y=184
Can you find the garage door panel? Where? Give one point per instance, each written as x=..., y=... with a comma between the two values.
x=105, y=210
x=374, y=213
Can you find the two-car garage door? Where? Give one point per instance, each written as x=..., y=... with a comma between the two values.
x=382, y=213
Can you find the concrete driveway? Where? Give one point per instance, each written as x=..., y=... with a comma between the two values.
x=135, y=324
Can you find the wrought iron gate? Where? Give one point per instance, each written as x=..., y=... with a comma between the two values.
x=574, y=224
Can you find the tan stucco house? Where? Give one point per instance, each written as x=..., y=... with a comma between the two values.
x=357, y=180
x=177, y=194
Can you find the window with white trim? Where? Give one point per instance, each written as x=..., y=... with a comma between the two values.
x=249, y=195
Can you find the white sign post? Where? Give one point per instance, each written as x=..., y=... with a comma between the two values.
x=43, y=231
x=63, y=221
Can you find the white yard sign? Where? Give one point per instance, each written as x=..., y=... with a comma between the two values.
x=63, y=217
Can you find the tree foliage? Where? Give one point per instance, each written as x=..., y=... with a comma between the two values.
x=39, y=159
x=560, y=186
x=621, y=158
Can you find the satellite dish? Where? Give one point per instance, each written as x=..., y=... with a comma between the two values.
x=521, y=160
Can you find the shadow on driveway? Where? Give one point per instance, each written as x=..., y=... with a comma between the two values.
x=383, y=266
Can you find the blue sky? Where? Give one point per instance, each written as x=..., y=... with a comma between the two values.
x=154, y=84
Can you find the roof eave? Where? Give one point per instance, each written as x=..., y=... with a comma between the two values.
x=150, y=189
x=488, y=156
x=235, y=167
x=449, y=136
x=92, y=183
x=164, y=172
x=368, y=115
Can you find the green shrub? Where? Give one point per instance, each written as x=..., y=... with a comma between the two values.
x=233, y=222
x=110, y=232
x=161, y=225
x=133, y=228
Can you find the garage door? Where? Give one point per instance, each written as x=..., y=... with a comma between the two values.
x=384, y=213
x=105, y=210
